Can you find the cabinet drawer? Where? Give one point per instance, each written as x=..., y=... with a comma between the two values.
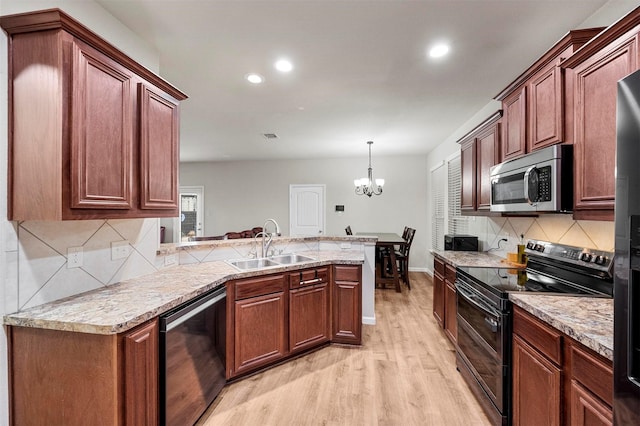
x=438, y=266
x=260, y=286
x=538, y=334
x=593, y=372
x=347, y=273
x=450, y=273
x=308, y=277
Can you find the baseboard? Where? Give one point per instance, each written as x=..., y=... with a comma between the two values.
x=369, y=320
x=425, y=270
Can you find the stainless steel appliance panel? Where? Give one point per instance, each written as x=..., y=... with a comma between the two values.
x=626, y=292
x=541, y=181
x=192, y=344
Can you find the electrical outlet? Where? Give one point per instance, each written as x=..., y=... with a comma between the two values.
x=120, y=249
x=169, y=259
x=74, y=257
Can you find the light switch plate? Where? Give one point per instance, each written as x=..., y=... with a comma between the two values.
x=74, y=257
x=120, y=249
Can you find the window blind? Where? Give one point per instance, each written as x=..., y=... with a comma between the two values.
x=457, y=224
x=438, y=185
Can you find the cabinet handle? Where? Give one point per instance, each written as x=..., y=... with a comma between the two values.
x=313, y=281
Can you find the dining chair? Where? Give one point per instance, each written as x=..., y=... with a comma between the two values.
x=402, y=258
x=348, y=230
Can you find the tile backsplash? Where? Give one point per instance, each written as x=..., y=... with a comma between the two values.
x=556, y=228
x=38, y=268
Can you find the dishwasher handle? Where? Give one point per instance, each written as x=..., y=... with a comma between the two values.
x=178, y=317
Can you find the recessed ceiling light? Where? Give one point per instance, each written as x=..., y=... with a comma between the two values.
x=439, y=50
x=284, y=65
x=254, y=78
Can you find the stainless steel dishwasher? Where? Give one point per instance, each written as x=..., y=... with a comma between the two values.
x=192, y=357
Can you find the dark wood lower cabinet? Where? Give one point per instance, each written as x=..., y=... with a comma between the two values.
x=309, y=316
x=451, y=312
x=438, y=291
x=274, y=317
x=347, y=304
x=68, y=378
x=536, y=387
x=557, y=380
x=260, y=331
x=141, y=374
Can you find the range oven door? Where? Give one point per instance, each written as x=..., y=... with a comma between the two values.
x=483, y=341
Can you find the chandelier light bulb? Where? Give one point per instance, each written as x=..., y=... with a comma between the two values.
x=368, y=186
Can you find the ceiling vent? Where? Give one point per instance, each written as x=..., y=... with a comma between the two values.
x=269, y=136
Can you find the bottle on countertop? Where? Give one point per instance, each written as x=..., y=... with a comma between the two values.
x=521, y=255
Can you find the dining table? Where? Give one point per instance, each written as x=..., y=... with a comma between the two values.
x=389, y=241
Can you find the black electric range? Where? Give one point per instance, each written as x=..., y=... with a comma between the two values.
x=484, y=311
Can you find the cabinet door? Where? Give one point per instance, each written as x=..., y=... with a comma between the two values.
x=468, y=175
x=536, y=387
x=102, y=131
x=141, y=375
x=308, y=317
x=587, y=409
x=515, y=115
x=595, y=122
x=159, y=146
x=545, y=109
x=438, y=298
x=347, y=309
x=488, y=146
x=451, y=311
x=260, y=331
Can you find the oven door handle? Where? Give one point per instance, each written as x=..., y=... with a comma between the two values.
x=484, y=307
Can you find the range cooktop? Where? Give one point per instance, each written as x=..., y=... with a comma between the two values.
x=551, y=268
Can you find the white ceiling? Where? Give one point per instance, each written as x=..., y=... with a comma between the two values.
x=361, y=69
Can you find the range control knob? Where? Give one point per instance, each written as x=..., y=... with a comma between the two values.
x=539, y=247
x=530, y=245
x=600, y=260
x=586, y=257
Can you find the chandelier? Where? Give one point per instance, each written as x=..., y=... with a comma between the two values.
x=367, y=186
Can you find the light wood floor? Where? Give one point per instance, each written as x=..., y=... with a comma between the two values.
x=403, y=374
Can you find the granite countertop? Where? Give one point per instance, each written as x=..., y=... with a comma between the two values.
x=589, y=320
x=472, y=258
x=122, y=306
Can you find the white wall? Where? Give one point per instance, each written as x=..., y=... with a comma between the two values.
x=22, y=278
x=241, y=195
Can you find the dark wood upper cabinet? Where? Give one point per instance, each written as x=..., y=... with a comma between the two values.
x=514, y=141
x=103, y=140
x=534, y=103
x=479, y=151
x=595, y=71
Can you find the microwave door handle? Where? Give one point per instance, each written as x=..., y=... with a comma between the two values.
x=527, y=174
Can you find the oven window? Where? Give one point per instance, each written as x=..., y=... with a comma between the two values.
x=508, y=189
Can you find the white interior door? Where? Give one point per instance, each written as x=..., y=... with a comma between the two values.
x=191, y=219
x=306, y=210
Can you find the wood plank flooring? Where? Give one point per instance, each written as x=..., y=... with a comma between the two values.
x=403, y=374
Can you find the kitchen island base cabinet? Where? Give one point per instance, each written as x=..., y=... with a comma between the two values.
x=309, y=309
x=347, y=305
x=68, y=378
x=259, y=323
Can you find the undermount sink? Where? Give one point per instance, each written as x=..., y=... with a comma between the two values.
x=290, y=258
x=283, y=259
x=253, y=263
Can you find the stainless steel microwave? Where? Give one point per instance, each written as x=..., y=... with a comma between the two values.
x=541, y=181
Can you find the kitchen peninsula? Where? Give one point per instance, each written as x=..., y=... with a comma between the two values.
x=101, y=348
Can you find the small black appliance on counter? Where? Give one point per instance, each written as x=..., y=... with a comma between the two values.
x=460, y=242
